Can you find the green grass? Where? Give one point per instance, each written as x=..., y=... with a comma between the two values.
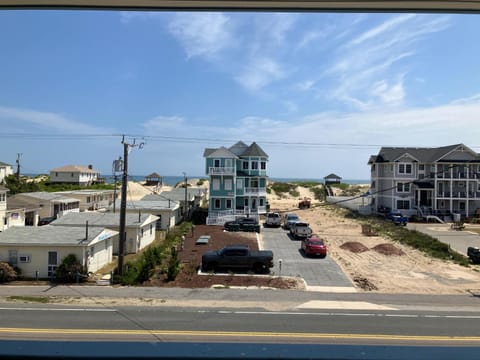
x=35, y=299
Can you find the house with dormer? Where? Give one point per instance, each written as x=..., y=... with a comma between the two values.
x=237, y=180
x=440, y=181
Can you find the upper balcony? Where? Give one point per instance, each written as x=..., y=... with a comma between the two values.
x=254, y=191
x=221, y=170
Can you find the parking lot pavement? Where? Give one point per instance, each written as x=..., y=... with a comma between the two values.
x=458, y=240
x=290, y=261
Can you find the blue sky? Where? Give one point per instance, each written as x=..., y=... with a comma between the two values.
x=318, y=92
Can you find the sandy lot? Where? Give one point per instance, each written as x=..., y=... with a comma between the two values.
x=409, y=272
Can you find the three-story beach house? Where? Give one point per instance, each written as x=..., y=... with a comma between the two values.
x=428, y=182
x=238, y=182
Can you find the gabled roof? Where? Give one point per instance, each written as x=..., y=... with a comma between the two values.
x=239, y=148
x=2, y=164
x=424, y=155
x=254, y=150
x=98, y=219
x=46, y=196
x=3, y=188
x=49, y=235
x=74, y=168
x=221, y=152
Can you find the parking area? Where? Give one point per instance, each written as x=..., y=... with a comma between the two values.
x=319, y=274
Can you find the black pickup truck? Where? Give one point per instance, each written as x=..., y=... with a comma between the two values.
x=242, y=224
x=237, y=257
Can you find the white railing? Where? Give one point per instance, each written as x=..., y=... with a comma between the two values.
x=255, y=191
x=221, y=171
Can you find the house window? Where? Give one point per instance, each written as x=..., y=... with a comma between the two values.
x=216, y=163
x=263, y=165
x=216, y=204
x=462, y=205
x=245, y=165
x=228, y=184
x=254, y=165
x=403, y=204
x=12, y=257
x=421, y=167
x=151, y=229
x=228, y=204
x=404, y=168
x=2, y=197
x=245, y=202
x=403, y=187
x=239, y=183
x=216, y=184
x=261, y=202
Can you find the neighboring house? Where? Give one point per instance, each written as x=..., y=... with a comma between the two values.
x=140, y=228
x=167, y=211
x=193, y=195
x=42, y=249
x=332, y=179
x=74, y=174
x=3, y=208
x=92, y=199
x=238, y=181
x=48, y=204
x=438, y=181
x=5, y=170
x=21, y=212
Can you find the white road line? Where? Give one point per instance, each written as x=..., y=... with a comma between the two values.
x=58, y=309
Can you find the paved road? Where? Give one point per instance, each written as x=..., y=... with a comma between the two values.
x=458, y=240
x=316, y=272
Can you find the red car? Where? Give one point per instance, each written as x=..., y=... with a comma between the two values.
x=314, y=246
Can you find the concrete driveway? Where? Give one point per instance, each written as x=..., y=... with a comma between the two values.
x=319, y=274
x=459, y=240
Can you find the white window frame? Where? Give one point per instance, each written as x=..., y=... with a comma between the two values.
x=404, y=166
x=228, y=184
x=403, y=187
x=403, y=201
x=254, y=165
x=215, y=161
x=215, y=206
x=215, y=184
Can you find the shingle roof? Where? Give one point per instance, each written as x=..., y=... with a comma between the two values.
x=2, y=164
x=74, y=168
x=147, y=205
x=424, y=155
x=179, y=194
x=238, y=148
x=254, y=150
x=222, y=152
x=48, y=235
x=98, y=219
x=332, y=176
x=3, y=188
x=41, y=195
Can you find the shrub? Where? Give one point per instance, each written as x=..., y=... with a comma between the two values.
x=7, y=273
x=173, y=265
x=70, y=270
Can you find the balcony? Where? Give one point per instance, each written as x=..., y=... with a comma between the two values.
x=252, y=191
x=221, y=170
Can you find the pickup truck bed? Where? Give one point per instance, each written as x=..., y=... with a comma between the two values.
x=237, y=257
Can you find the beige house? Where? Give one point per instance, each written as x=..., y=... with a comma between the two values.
x=3, y=207
x=91, y=199
x=140, y=228
x=48, y=204
x=74, y=174
x=38, y=251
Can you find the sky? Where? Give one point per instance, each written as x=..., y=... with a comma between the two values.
x=319, y=92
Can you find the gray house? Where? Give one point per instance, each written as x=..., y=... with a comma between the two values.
x=140, y=228
x=439, y=181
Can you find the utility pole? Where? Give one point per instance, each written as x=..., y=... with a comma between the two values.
x=117, y=167
x=18, y=165
x=185, y=207
x=123, y=204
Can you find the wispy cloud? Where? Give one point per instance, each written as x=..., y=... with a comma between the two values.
x=259, y=73
x=202, y=34
x=34, y=120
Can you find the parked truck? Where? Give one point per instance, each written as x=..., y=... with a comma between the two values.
x=273, y=220
x=237, y=257
x=473, y=254
x=242, y=224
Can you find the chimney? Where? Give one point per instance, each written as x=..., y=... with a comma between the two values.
x=90, y=167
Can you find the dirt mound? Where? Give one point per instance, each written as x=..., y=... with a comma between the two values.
x=354, y=246
x=364, y=283
x=388, y=249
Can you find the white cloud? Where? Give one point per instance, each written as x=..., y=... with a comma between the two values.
x=259, y=73
x=202, y=34
x=160, y=123
x=45, y=121
x=389, y=94
x=305, y=85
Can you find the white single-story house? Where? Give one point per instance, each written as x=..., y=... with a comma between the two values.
x=167, y=211
x=91, y=199
x=74, y=174
x=48, y=204
x=38, y=251
x=140, y=228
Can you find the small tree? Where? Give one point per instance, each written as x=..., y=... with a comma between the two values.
x=70, y=270
x=173, y=265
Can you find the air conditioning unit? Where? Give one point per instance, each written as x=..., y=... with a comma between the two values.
x=24, y=258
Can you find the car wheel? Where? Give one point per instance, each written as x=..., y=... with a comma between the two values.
x=210, y=267
x=258, y=268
